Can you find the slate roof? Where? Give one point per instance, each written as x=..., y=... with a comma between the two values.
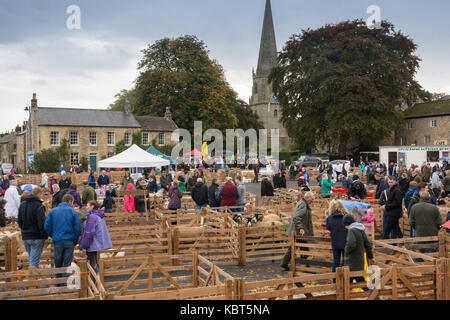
x=85, y=118
x=428, y=109
x=156, y=124
x=6, y=138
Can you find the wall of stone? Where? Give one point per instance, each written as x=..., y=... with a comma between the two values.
x=84, y=148
x=421, y=128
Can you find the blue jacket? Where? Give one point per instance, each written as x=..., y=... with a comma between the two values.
x=408, y=196
x=91, y=181
x=63, y=224
x=103, y=180
x=337, y=229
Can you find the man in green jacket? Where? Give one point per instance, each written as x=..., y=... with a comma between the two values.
x=88, y=194
x=425, y=217
x=356, y=244
x=301, y=223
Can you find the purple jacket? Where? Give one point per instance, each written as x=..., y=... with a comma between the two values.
x=95, y=233
x=175, y=196
x=76, y=197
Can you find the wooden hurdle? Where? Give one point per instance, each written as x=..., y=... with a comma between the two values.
x=430, y=282
x=42, y=284
x=155, y=274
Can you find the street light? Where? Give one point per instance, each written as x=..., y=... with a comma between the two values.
x=28, y=109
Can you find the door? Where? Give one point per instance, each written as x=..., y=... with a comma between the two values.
x=93, y=161
x=392, y=157
x=401, y=158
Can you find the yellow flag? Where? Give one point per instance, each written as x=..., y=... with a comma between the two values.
x=205, y=149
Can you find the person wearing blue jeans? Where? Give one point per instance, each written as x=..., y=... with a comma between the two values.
x=34, y=249
x=335, y=224
x=31, y=220
x=63, y=225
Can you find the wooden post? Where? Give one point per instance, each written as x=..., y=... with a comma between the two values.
x=242, y=246
x=175, y=241
x=339, y=283
x=228, y=289
x=7, y=244
x=150, y=274
x=101, y=269
x=346, y=282
x=13, y=254
x=293, y=253
x=439, y=264
x=195, y=269
x=84, y=274
x=447, y=279
x=394, y=282
x=442, y=243
x=239, y=287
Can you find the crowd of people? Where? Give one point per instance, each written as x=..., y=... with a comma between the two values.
x=79, y=218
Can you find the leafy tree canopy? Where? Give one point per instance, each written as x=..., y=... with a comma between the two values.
x=343, y=82
x=178, y=73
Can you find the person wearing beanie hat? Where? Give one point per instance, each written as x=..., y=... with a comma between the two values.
x=348, y=220
x=356, y=245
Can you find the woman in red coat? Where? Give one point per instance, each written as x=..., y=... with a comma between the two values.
x=229, y=194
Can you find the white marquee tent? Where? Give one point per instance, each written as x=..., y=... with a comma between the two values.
x=134, y=157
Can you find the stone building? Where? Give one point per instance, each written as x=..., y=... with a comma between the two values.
x=263, y=102
x=157, y=128
x=427, y=124
x=13, y=148
x=92, y=133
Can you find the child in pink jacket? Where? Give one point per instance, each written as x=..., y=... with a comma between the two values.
x=129, y=200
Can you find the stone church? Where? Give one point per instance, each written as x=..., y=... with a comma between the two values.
x=263, y=102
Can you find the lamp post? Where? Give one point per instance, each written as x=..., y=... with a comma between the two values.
x=28, y=109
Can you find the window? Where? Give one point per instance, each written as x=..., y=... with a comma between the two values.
x=275, y=113
x=74, y=138
x=111, y=139
x=427, y=140
x=14, y=147
x=110, y=154
x=432, y=156
x=54, y=138
x=409, y=125
x=145, y=138
x=433, y=124
x=403, y=141
x=74, y=158
x=161, y=139
x=93, y=138
x=127, y=139
x=255, y=88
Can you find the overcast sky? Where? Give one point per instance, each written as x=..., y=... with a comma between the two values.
x=85, y=68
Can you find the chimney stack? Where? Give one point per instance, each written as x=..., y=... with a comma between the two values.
x=127, y=106
x=168, y=114
x=34, y=102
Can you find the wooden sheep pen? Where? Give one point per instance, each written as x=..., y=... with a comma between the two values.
x=45, y=284
x=157, y=274
x=429, y=282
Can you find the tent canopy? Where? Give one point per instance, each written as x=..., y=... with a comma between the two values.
x=152, y=150
x=134, y=157
x=194, y=152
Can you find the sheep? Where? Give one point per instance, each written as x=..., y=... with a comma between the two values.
x=106, y=255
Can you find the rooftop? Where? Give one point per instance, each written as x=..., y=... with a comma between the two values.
x=85, y=118
x=156, y=124
x=429, y=109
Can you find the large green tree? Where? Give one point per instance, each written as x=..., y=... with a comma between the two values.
x=179, y=73
x=341, y=83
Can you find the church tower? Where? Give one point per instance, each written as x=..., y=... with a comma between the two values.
x=263, y=101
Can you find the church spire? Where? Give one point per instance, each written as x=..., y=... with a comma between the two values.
x=268, y=48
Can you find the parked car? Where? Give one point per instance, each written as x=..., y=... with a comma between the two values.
x=307, y=161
